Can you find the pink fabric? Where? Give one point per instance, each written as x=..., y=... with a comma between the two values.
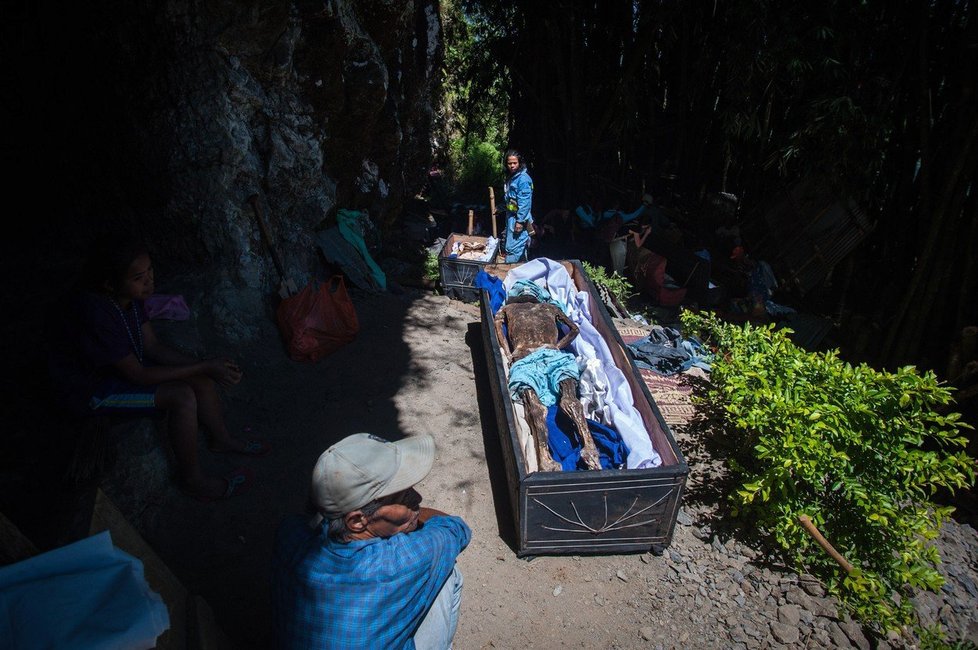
x=166, y=307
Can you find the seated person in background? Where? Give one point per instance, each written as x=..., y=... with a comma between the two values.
x=636, y=253
x=105, y=359
x=690, y=270
x=662, y=227
x=373, y=569
x=556, y=222
x=683, y=277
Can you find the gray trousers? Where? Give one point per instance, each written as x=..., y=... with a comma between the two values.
x=438, y=626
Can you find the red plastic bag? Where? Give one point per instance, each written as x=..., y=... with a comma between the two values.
x=318, y=320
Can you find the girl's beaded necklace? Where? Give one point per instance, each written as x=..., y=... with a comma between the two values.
x=137, y=340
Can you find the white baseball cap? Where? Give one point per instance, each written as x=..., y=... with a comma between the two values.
x=364, y=467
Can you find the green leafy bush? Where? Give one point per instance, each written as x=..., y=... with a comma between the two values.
x=431, y=269
x=860, y=451
x=616, y=285
x=475, y=168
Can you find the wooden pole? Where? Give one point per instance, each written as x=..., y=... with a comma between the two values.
x=492, y=211
x=807, y=524
x=471, y=223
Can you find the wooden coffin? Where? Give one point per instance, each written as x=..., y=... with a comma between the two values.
x=596, y=511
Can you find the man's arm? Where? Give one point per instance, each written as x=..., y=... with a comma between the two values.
x=428, y=513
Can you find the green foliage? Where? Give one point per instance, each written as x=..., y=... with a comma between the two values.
x=473, y=106
x=431, y=269
x=616, y=285
x=475, y=168
x=860, y=451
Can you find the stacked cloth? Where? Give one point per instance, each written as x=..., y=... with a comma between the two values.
x=666, y=352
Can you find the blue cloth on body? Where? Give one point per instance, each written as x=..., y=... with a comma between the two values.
x=531, y=288
x=543, y=370
x=620, y=411
x=564, y=448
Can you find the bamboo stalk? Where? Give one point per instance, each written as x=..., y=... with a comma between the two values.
x=471, y=223
x=492, y=212
x=809, y=527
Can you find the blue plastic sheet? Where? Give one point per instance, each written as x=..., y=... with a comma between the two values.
x=85, y=595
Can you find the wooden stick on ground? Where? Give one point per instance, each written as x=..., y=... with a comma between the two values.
x=807, y=524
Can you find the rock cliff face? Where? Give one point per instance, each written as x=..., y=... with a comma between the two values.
x=167, y=116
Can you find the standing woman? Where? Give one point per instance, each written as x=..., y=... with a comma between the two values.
x=518, y=191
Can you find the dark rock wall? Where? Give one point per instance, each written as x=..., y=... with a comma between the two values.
x=164, y=117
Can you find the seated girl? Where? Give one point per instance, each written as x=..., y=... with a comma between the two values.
x=107, y=360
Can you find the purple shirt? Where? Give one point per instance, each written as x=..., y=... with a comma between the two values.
x=93, y=335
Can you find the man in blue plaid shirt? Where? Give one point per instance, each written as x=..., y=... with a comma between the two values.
x=375, y=570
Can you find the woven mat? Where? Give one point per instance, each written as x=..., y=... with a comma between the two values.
x=631, y=334
x=671, y=393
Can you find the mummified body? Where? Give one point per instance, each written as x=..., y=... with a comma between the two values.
x=535, y=353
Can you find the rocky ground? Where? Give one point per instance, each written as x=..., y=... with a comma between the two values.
x=418, y=366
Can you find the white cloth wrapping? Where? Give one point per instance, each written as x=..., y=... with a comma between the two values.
x=593, y=389
x=491, y=245
x=619, y=409
x=85, y=595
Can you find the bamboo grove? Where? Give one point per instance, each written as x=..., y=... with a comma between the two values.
x=875, y=99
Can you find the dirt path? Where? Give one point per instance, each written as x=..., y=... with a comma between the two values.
x=409, y=371
x=417, y=366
